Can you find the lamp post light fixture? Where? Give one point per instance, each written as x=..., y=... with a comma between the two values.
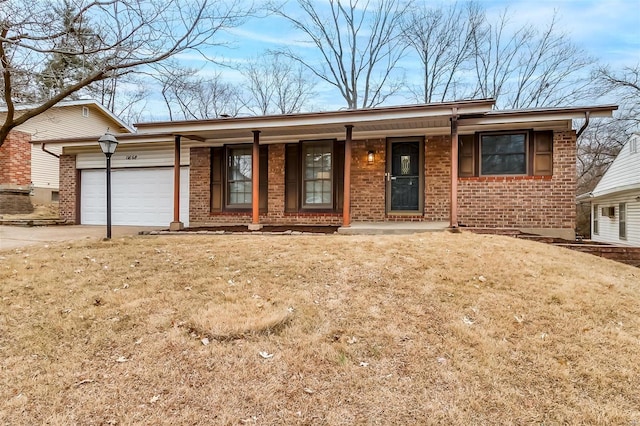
x=108, y=144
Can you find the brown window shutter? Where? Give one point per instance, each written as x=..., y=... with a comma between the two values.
x=264, y=178
x=543, y=153
x=291, y=177
x=338, y=175
x=465, y=155
x=217, y=166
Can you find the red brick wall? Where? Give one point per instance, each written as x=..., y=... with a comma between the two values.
x=15, y=160
x=275, y=205
x=505, y=202
x=199, y=186
x=69, y=184
x=200, y=196
x=501, y=202
x=368, y=181
x=524, y=202
x=437, y=188
x=276, y=213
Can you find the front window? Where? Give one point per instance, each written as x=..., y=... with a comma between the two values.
x=622, y=212
x=317, y=163
x=239, y=177
x=503, y=154
x=595, y=219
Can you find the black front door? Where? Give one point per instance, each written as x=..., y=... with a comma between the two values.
x=404, y=176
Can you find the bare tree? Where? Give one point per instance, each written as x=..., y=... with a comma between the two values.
x=525, y=67
x=359, y=42
x=189, y=95
x=128, y=35
x=276, y=85
x=125, y=95
x=624, y=87
x=443, y=39
x=603, y=140
x=597, y=148
x=600, y=144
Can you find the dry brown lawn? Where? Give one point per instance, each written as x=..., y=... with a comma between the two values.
x=434, y=328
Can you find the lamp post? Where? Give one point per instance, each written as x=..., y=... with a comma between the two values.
x=108, y=144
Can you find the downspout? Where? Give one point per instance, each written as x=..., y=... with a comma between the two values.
x=49, y=152
x=584, y=126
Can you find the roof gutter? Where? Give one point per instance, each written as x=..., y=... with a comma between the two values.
x=587, y=114
x=43, y=145
x=584, y=197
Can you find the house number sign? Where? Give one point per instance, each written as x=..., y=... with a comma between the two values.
x=131, y=157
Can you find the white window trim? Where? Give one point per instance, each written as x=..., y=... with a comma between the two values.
x=311, y=206
x=622, y=224
x=228, y=152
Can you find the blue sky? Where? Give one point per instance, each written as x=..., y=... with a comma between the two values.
x=608, y=30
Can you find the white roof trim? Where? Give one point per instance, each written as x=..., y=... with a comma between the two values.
x=339, y=118
x=616, y=190
x=424, y=119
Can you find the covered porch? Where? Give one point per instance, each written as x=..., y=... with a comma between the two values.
x=419, y=166
x=389, y=168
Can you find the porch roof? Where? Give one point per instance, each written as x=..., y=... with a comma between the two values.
x=410, y=120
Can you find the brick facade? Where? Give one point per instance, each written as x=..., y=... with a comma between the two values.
x=199, y=186
x=531, y=202
x=69, y=185
x=200, y=196
x=524, y=202
x=494, y=202
x=15, y=161
x=437, y=186
x=368, y=181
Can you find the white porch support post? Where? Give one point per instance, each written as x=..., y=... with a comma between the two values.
x=255, y=183
x=176, y=225
x=453, y=213
x=346, y=207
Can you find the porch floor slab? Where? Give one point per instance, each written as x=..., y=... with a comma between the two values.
x=392, y=228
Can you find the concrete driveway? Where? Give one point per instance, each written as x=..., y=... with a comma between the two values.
x=12, y=237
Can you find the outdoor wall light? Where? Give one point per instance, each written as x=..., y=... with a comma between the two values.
x=108, y=144
x=370, y=157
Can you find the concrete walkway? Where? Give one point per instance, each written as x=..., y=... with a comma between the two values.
x=12, y=237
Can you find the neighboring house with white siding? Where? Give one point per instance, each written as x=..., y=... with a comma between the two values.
x=67, y=119
x=615, y=201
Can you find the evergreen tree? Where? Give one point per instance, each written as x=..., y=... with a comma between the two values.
x=67, y=61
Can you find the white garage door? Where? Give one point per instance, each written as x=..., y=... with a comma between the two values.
x=138, y=196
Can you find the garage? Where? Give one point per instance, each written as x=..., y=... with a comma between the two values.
x=138, y=196
x=141, y=188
